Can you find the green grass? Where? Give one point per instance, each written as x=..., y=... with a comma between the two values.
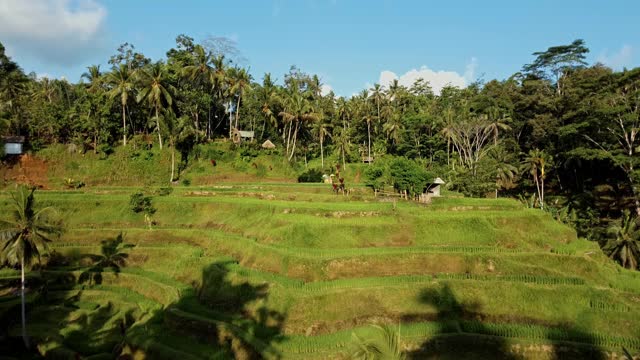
x=291, y=270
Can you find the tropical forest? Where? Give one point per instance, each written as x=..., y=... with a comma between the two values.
x=188, y=207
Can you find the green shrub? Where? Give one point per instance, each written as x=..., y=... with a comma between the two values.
x=376, y=175
x=310, y=176
x=186, y=182
x=407, y=175
x=139, y=203
x=164, y=191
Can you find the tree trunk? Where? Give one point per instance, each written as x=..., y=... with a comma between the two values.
x=158, y=128
x=538, y=188
x=542, y=194
x=321, y=152
x=230, y=127
x=197, y=125
x=24, y=313
x=238, y=111
x=289, y=136
x=173, y=160
x=124, y=127
x=295, y=137
x=369, y=142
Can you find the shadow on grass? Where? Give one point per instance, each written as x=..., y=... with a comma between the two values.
x=466, y=335
x=226, y=318
x=75, y=315
x=62, y=323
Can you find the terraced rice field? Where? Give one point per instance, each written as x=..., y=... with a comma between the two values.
x=292, y=271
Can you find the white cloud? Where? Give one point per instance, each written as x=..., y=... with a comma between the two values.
x=53, y=31
x=617, y=60
x=325, y=89
x=437, y=79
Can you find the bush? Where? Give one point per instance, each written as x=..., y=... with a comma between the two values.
x=164, y=191
x=186, y=182
x=376, y=175
x=139, y=203
x=407, y=175
x=310, y=176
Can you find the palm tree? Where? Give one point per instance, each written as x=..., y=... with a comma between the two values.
x=535, y=164
x=267, y=96
x=625, y=248
x=121, y=80
x=322, y=129
x=240, y=81
x=497, y=122
x=94, y=90
x=384, y=345
x=377, y=93
x=155, y=91
x=366, y=116
x=45, y=90
x=341, y=139
x=94, y=77
x=25, y=237
x=178, y=129
x=392, y=127
x=297, y=109
x=201, y=73
x=220, y=87
x=506, y=173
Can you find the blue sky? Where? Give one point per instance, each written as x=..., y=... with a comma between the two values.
x=350, y=44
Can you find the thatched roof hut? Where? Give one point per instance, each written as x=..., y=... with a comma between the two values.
x=268, y=145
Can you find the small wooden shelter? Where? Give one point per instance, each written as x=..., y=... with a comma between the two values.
x=13, y=145
x=239, y=136
x=431, y=190
x=434, y=187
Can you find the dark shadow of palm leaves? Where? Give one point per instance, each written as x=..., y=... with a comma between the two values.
x=112, y=256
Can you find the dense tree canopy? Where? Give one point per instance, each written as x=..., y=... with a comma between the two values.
x=562, y=129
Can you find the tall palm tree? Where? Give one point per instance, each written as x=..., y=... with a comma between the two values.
x=94, y=78
x=121, y=81
x=392, y=127
x=267, y=95
x=178, y=129
x=535, y=164
x=94, y=89
x=25, y=237
x=377, y=93
x=201, y=73
x=506, y=173
x=297, y=110
x=497, y=121
x=365, y=113
x=240, y=81
x=45, y=90
x=625, y=247
x=322, y=128
x=155, y=90
x=220, y=81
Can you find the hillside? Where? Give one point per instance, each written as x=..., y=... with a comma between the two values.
x=290, y=271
